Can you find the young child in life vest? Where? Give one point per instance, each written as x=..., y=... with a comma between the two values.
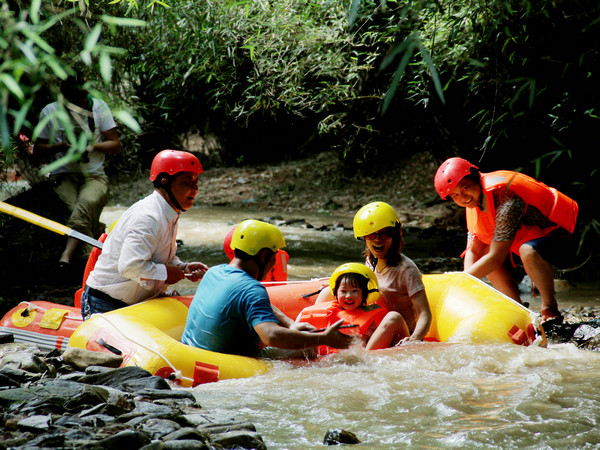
x=355, y=289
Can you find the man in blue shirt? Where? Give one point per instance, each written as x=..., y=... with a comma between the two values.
x=231, y=312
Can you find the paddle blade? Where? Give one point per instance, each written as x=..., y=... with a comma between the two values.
x=51, y=225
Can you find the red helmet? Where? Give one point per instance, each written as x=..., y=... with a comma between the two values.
x=172, y=162
x=450, y=173
x=227, y=244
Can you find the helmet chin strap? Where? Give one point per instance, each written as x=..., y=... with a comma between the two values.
x=167, y=188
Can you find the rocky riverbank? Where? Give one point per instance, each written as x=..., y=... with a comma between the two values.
x=83, y=400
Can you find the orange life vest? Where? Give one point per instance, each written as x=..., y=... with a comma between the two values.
x=555, y=205
x=279, y=270
x=322, y=315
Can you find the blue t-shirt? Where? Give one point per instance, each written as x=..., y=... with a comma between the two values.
x=227, y=306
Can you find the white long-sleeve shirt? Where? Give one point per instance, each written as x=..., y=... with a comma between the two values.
x=140, y=246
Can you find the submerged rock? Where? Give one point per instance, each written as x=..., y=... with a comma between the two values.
x=339, y=436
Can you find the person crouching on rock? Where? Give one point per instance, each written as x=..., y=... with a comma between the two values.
x=509, y=212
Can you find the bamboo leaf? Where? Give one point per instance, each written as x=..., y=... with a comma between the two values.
x=128, y=120
x=41, y=43
x=434, y=73
x=105, y=66
x=354, y=7
x=4, y=131
x=389, y=95
x=20, y=116
x=27, y=52
x=57, y=68
x=10, y=84
x=34, y=11
x=91, y=39
x=123, y=21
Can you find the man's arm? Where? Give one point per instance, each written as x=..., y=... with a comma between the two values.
x=286, y=322
x=273, y=335
x=42, y=146
x=111, y=143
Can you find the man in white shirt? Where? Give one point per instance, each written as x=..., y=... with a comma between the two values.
x=81, y=185
x=138, y=259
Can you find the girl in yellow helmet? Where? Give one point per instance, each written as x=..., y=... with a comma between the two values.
x=400, y=281
x=355, y=291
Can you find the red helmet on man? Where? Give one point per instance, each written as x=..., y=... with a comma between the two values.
x=450, y=173
x=172, y=162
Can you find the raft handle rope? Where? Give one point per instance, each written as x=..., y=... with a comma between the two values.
x=176, y=373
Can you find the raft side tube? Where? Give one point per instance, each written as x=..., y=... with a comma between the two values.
x=147, y=335
x=472, y=310
x=48, y=325
x=294, y=297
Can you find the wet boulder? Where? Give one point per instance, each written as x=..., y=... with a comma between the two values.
x=17, y=357
x=340, y=436
x=82, y=359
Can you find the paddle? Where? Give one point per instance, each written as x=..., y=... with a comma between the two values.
x=47, y=223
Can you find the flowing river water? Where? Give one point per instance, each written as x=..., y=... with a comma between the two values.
x=422, y=395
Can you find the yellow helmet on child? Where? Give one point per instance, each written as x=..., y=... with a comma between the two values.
x=374, y=217
x=251, y=236
x=361, y=269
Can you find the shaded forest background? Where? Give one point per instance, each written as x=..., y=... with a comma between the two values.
x=506, y=84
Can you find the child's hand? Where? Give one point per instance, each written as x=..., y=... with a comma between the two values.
x=403, y=341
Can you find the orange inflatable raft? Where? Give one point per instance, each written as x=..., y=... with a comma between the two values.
x=465, y=310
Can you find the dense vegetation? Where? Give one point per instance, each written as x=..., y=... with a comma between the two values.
x=505, y=83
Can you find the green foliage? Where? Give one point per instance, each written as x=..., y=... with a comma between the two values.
x=490, y=80
x=244, y=62
x=32, y=67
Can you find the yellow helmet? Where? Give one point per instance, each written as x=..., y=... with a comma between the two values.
x=374, y=217
x=361, y=269
x=251, y=236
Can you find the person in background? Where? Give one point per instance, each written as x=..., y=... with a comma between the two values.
x=400, y=281
x=355, y=289
x=511, y=213
x=81, y=185
x=138, y=259
x=231, y=312
x=279, y=270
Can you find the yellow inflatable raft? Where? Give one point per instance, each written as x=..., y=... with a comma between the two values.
x=147, y=334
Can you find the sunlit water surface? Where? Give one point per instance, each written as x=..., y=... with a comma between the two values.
x=423, y=395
